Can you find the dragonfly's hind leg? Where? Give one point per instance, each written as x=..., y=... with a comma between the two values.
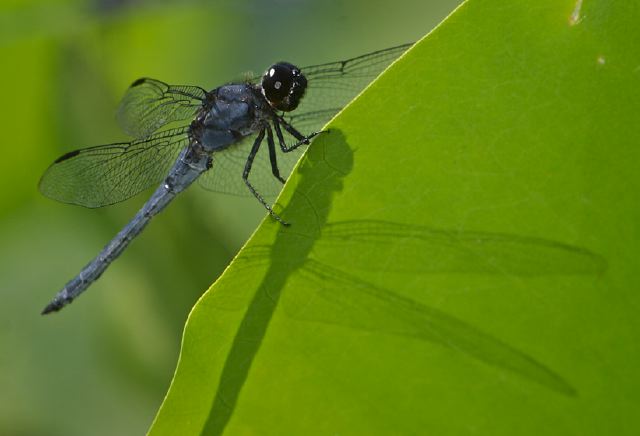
x=247, y=171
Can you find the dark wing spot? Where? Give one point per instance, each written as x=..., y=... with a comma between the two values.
x=138, y=82
x=67, y=156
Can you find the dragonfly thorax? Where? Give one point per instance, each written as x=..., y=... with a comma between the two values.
x=231, y=115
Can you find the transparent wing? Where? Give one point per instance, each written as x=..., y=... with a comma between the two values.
x=331, y=86
x=225, y=175
x=107, y=174
x=150, y=104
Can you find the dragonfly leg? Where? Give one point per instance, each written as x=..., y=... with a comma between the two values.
x=302, y=139
x=247, y=171
x=272, y=155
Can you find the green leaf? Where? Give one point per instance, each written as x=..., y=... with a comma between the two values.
x=463, y=248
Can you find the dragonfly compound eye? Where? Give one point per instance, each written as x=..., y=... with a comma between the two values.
x=283, y=86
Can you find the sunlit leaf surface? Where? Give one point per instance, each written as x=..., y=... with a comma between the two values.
x=463, y=248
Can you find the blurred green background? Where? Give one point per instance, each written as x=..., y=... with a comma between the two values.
x=102, y=366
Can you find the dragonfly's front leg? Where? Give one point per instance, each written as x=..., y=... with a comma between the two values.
x=302, y=139
x=272, y=155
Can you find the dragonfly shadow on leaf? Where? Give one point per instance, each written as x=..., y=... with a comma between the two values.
x=429, y=250
x=341, y=298
x=318, y=254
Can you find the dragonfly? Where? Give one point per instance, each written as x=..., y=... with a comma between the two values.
x=182, y=133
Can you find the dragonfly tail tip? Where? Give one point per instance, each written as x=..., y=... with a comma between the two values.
x=54, y=306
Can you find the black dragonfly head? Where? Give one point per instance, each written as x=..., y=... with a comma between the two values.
x=283, y=85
